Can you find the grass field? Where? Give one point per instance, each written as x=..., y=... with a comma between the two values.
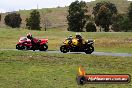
x=120, y=42
x=23, y=69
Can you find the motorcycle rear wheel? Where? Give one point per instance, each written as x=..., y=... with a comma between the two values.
x=43, y=47
x=89, y=49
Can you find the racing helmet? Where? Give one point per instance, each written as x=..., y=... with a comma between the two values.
x=29, y=35
x=78, y=35
x=70, y=36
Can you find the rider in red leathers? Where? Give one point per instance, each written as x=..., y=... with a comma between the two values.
x=34, y=41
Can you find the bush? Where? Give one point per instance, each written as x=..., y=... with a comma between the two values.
x=13, y=20
x=90, y=27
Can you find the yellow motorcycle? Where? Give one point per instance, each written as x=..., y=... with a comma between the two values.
x=76, y=45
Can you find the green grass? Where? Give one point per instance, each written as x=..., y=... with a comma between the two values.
x=120, y=42
x=23, y=69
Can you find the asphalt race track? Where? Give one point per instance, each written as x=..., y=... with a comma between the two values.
x=94, y=53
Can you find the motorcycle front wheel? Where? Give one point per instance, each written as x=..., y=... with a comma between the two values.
x=18, y=47
x=63, y=49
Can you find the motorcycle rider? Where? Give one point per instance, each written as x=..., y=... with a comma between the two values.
x=34, y=41
x=70, y=39
x=79, y=37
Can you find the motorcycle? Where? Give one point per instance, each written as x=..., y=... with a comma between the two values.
x=26, y=44
x=76, y=45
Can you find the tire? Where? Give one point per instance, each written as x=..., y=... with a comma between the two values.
x=18, y=47
x=89, y=49
x=43, y=47
x=63, y=49
x=24, y=48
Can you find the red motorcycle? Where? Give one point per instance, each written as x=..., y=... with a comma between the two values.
x=26, y=44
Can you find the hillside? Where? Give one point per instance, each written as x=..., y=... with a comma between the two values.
x=56, y=17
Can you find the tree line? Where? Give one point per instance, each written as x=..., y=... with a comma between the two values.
x=14, y=20
x=105, y=16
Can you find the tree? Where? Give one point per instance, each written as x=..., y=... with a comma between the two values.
x=45, y=21
x=122, y=23
x=90, y=27
x=129, y=21
x=126, y=23
x=33, y=22
x=103, y=13
x=130, y=12
x=117, y=22
x=13, y=20
x=0, y=17
x=76, y=17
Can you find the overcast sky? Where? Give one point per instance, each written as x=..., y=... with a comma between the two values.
x=13, y=5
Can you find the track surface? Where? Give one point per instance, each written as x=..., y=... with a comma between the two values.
x=94, y=53
x=97, y=53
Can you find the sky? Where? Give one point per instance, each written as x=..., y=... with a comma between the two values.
x=15, y=5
